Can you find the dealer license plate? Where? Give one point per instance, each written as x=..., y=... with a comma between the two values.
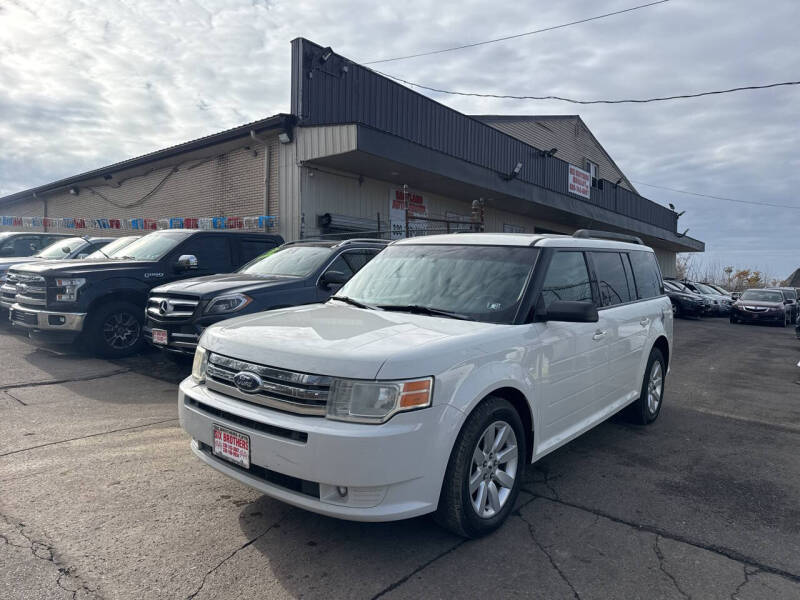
x=159, y=336
x=232, y=445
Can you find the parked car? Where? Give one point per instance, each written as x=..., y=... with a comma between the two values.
x=685, y=303
x=62, y=249
x=103, y=300
x=434, y=376
x=296, y=273
x=790, y=295
x=720, y=305
x=762, y=306
x=719, y=289
x=15, y=245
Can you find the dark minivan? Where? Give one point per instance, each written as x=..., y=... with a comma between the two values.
x=296, y=273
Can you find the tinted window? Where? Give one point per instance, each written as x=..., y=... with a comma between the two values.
x=611, y=280
x=291, y=261
x=341, y=265
x=353, y=260
x=567, y=278
x=212, y=252
x=646, y=273
x=249, y=249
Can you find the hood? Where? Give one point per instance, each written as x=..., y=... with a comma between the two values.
x=7, y=263
x=213, y=285
x=345, y=341
x=759, y=303
x=81, y=266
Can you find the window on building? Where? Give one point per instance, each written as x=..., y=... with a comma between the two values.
x=594, y=171
x=611, y=278
x=567, y=278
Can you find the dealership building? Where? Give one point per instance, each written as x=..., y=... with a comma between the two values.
x=361, y=155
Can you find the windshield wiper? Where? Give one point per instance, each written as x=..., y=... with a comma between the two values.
x=355, y=303
x=424, y=310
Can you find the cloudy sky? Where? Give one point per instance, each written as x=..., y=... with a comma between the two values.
x=88, y=83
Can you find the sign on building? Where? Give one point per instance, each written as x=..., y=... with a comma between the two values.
x=401, y=202
x=579, y=182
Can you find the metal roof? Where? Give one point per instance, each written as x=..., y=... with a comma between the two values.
x=280, y=121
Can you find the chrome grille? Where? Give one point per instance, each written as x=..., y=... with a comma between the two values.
x=30, y=290
x=290, y=391
x=170, y=308
x=758, y=309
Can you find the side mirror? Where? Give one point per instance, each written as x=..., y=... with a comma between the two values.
x=572, y=311
x=330, y=278
x=787, y=301
x=187, y=262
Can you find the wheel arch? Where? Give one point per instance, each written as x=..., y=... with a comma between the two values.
x=662, y=343
x=136, y=297
x=519, y=401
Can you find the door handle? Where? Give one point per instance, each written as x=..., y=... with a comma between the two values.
x=599, y=334
x=644, y=322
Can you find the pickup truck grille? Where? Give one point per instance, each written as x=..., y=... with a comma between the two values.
x=289, y=391
x=171, y=308
x=28, y=290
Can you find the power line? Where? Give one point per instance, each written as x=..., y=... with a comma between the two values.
x=511, y=37
x=574, y=101
x=756, y=202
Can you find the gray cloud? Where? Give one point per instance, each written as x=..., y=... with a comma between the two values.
x=84, y=84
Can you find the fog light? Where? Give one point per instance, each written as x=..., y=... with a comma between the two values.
x=56, y=319
x=342, y=490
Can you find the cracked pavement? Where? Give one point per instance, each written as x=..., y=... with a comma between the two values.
x=100, y=496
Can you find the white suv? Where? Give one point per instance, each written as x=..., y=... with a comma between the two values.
x=430, y=380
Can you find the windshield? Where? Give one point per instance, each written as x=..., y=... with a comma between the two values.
x=111, y=248
x=679, y=287
x=62, y=248
x=762, y=296
x=484, y=283
x=291, y=261
x=153, y=246
x=706, y=289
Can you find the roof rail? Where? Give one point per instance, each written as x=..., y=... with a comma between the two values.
x=335, y=243
x=363, y=241
x=607, y=235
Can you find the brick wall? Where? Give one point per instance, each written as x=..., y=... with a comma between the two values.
x=228, y=184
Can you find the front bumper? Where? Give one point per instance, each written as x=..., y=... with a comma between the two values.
x=45, y=320
x=758, y=317
x=392, y=471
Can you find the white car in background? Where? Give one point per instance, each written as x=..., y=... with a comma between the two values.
x=434, y=376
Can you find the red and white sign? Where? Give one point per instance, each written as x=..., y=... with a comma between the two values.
x=232, y=445
x=397, y=212
x=579, y=182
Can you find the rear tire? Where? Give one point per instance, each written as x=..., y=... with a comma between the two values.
x=647, y=408
x=482, y=480
x=115, y=330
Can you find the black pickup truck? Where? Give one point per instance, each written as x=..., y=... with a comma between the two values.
x=296, y=273
x=103, y=301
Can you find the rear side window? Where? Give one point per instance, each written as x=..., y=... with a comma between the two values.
x=611, y=279
x=646, y=273
x=567, y=279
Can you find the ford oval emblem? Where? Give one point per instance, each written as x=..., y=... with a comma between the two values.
x=247, y=382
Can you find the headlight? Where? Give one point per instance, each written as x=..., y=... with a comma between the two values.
x=376, y=401
x=227, y=303
x=199, y=365
x=67, y=289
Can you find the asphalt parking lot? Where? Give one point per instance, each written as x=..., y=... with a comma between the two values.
x=100, y=496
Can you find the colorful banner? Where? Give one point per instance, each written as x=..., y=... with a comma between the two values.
x=141, y=223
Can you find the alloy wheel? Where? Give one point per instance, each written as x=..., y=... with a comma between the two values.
x=121, y=330
x=494, y=469
x=655, y=386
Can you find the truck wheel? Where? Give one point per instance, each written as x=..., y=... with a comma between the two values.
x=484, y=474
x=115, y=330
x=647, y=408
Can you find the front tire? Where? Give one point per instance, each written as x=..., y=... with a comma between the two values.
x=115, y=330
x=485, y=471
x=647, y=408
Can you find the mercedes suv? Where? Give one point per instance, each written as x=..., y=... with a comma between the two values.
x=430, y=380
